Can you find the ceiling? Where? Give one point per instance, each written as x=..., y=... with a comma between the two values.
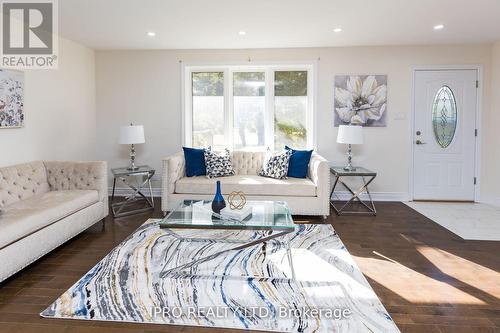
x=208, y=24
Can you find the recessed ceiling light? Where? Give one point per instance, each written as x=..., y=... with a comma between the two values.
x=438, y=27
x=151, y=33
x=337, y=30
x=242, y=33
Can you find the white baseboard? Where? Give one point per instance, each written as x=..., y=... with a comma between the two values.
x=376, y=196
x=342, y=195
x=123, y=191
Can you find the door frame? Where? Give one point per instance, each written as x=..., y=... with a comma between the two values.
x=479, y=111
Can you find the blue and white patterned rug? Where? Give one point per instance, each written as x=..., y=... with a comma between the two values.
x=329, y=294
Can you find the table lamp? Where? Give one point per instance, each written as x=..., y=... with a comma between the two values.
x=132, y=135
x=350, y=135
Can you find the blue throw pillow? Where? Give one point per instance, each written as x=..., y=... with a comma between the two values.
x=299, y=162
x=195, y=162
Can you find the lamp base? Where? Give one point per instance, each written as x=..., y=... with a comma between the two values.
x=349, y=168
x=132, y=166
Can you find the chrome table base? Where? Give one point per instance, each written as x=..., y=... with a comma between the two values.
x=136, y=195
x=184, y=269
x=355, y=194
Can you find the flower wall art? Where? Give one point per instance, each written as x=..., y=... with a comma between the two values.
x=11, y=99
x=361, y=100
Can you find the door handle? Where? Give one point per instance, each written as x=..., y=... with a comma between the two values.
x=418, y=142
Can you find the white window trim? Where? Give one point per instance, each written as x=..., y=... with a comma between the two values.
x=228, y=68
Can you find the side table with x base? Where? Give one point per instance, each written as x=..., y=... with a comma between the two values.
x=338, y=173
x=123, y=174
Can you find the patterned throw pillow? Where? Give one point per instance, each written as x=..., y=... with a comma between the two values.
x=218, y=165
x=276, y=166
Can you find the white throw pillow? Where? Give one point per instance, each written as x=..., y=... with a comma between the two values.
x=218, y=165
x=276, y=165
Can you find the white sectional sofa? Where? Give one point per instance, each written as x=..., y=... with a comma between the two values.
x=44, y=204
x=307, y=196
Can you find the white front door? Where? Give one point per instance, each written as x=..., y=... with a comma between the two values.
x=444, y=134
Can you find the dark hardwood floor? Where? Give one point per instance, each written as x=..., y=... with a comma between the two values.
x=429, y=279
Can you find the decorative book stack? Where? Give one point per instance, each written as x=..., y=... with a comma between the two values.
x=237, y=214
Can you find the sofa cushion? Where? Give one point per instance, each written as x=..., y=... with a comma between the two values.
x=276, y=165
x=22, y=181
x=27, y=216
x=218, y=165
x=249, y=184
x=299, y=162
x=195, y=162
x=248, y=162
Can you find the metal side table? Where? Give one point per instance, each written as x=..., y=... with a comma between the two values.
x=339, y=173
x=124, y=174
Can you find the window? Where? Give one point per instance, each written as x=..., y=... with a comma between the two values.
x=208, y=108
x=290, y=109
x=248, y=107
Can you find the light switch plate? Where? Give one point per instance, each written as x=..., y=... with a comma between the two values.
x=400, y=116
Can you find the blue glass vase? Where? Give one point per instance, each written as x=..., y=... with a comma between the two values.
x=218, y=203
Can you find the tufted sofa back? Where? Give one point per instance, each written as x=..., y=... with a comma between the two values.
x=247, y=163
x=65, y=175
x=19, y=182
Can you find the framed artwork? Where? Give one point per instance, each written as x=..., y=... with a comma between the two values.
x=11, y=99
x=360, y=100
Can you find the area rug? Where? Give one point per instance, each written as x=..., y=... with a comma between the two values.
x=328, y=293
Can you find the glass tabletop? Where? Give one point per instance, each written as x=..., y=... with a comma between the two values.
x=360, y=171
x=125, y=171
x=198, y=214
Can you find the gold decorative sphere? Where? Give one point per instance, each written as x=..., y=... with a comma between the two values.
x=237, y=200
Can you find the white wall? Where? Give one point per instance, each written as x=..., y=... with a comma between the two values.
x=144, y=87
x=490, y=189
x=60, y=114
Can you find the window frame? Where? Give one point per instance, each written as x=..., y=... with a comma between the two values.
x=228, y=69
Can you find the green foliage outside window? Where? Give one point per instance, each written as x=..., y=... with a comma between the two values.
x=249, y=84
x=295, y=133
x=208, y=84
x=249, y=91
x=290, y=83
x=291, y=88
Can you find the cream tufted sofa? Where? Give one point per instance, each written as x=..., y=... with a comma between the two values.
x=308, y=196
x=44, y=204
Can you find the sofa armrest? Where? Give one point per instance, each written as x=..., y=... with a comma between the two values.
x=78, y=176
x=318, y=169
x=173, y=169
x=319, y=173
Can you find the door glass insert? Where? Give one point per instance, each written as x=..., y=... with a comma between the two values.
x=444, y=116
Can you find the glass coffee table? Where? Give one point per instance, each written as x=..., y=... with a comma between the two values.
x=271, y=220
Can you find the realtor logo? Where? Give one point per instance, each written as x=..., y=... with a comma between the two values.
x=29, y=34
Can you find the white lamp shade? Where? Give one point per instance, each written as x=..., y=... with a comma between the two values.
x=350, y=134
x=132, y=135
